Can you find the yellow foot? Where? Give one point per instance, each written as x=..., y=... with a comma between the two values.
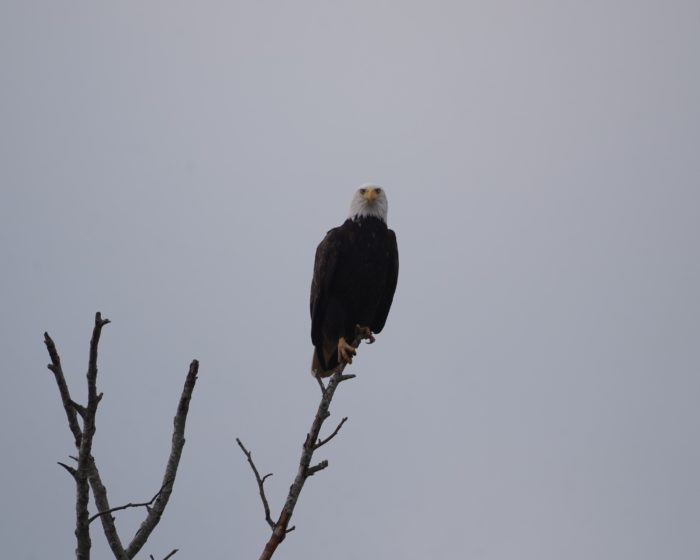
x=345, y=351
x=365, y=333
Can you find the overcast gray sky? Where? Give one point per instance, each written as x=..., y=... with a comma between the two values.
x=174, y=164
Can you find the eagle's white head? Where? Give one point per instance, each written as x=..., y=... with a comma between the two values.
x=369, y=200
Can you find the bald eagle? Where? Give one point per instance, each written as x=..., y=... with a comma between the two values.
x=355, y=273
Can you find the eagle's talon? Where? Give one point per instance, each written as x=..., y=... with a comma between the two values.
x=365, y=333
x=345, y=351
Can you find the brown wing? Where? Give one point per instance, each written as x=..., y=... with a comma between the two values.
x=325, y=265
x=390, y=286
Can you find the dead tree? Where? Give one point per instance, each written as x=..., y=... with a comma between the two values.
x=280, y=528
x=85, y=472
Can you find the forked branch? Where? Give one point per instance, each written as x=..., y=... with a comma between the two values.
x=261, y=483
x=87, y=475
x=305, y=470
x=330, y=437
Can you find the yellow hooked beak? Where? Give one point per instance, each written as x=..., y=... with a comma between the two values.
x=370, y=194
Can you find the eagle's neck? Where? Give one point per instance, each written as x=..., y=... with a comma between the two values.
x=368, y=211
x=368, y=221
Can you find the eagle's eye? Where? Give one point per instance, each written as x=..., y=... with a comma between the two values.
x=363, y=191
x=378, y=191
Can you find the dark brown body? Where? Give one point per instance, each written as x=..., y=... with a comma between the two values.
x=355, y=274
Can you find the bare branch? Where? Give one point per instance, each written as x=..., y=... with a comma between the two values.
x=79, y=408
x=310, y=445
x=82, y=438
x=71, y=408
x=178, y=442
x=126, y=506
x=313, y=470
x=320, y=383
x=82, y=530
x=166, y=558
x=261, y=483
x=71, y=470
x=99, y=492
x=55, y=367
x=330, y=437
